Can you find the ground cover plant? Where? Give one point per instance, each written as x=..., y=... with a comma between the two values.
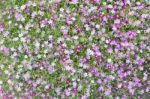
x=74, y=49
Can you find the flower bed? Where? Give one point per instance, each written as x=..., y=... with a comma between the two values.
x=74, y=49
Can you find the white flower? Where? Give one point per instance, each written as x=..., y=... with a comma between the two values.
x=103, y=39
x=117, y=21
x=37, y=44
x=109, y=60
x=127, y=61
x=30, y=67
x=90, y=39
x=25, y=56
x=90, y=75
x=67, y=68
x=57, y=90
x=97, y=26
x=16, y=39
x=22, y=7
x=74, y=2
x=103, y=30
x=9, y=22
x=21, y=34
x=22, y=39
x=20, y=26
x=6, y=72
x=74, y=84
x=92, y=81
x=1, y=66
x=80, y=87
x=17, y=76
x=38, y=81
x=144, y=15
x=141, y=68
x=34, y=4
x=85, y=74
x=18, y=89
x=93, y=32
x=66, y=52
x=47, y=87
x=138, y=3
x=68, y=10
x=53, y=64
x=9, y=81
x=85, y=66
x=80, y=64
x=89, y=52
x=110, y=6
x=60, y=40
x=107, y=41
x=75, y=37
x=61, y=16
x=22, y=19
x=1, y=82
x=104, y=3
x=73, y=18
x=42, y=25
x=62, y=9
x=41, y=13
x=41, y=68
x=20, y=69
x=26, y=76
x=73, y=79
x=45, y=51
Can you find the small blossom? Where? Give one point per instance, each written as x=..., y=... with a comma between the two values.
x=1, y=27
x=67, y=92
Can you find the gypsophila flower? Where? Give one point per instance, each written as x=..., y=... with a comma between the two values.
x=74, y=49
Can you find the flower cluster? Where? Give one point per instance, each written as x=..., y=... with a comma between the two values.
x=74, y=49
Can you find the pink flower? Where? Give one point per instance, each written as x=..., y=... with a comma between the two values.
x=107, y=92
x=43, y=22
x=131, y=91
x=63, y=60
x=84, y=59
x=74, y=89
x=68, y=81
x=99, y=81
x=64, y=30
x=110, y=66
x=18, y=16
x=97, y=53
x=96, y=1
x=109, y=50
x=26, y=76
x=68, y=20
x=141, y=6
x=131, y=34
x=1, y=27
x=109, y=40
x=67, y=92
x=142, y=45
x=95, y=47
x=83, y=20
x=5, y=51
x=94, y=71
x=10, y=9
x=119, y=85
x=83, y=97
x=78, y=48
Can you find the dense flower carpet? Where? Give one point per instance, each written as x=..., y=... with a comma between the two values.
x=74, y=49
